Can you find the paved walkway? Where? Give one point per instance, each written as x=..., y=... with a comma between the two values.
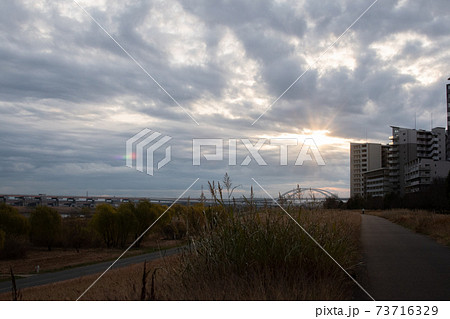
x=403, y=265
x=48, y=278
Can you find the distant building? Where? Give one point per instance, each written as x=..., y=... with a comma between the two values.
x=377, y=182
x=408, y=145
x=420, y=173
x=448, y=122
x=364, y=157
x=409, y=163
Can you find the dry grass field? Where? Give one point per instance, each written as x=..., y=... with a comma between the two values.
x=117, y=284
x=60, y=258
x=437, y=226
x=263, y=255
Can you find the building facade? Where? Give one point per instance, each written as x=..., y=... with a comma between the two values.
x=409, y=163
x=448, y=122
x=364, y=157
x=377, y=182
x=408, y=145
x=420, y=173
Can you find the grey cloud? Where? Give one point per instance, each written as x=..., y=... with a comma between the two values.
x=59, y=90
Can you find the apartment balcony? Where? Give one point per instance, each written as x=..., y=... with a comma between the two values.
x=433, y=147
x=393, y=162
x=375, y=185
x=411, y=176
x=423, y=154
x=394, y=174
x=417, y=183
x=393, y=155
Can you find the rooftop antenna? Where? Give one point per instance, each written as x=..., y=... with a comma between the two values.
x=366, y=135
x=415, y=120
x=431, y=121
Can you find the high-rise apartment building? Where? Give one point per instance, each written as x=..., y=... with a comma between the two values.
x=377, y=182
x=420, y=173
x=448, y=121
x=409, y=163
x=364, y=157
x=408, y=145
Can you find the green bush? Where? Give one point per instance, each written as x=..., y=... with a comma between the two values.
x=105, y=222
x=174, y=230
x=127, y=222
x=15, y=229
x=146, y=214
x=46, y=226
x=12, y=223
x=77, y=234
x=195, y=219
x=119, y=226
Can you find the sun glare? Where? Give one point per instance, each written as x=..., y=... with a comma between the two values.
x=320, y=137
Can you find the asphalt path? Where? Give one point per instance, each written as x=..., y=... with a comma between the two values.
x=403, y=265
x=48, y=278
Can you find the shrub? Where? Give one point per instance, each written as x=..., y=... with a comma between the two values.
x=15, y=229
x=2, y=239
x=146, y=214
x=76, y=234
x=105, y=222
x=15, y=247
x=174, y=230
x=180, y=229
x=169, y=231
x=127, y=222
x=195, y=219
x=45, y=226
x=333, y=203
x=11, y=222
x=116, y=226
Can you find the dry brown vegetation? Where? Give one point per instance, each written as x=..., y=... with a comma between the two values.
x=60, y=258
x=259, y=255
x=116, y=284
x=437, y=226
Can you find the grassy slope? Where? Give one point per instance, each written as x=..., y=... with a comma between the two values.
x=437, y=226
x=259, y=257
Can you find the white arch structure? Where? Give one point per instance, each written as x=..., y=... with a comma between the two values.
x=300, y=190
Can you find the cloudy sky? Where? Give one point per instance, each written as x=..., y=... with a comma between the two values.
x=71, y=95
